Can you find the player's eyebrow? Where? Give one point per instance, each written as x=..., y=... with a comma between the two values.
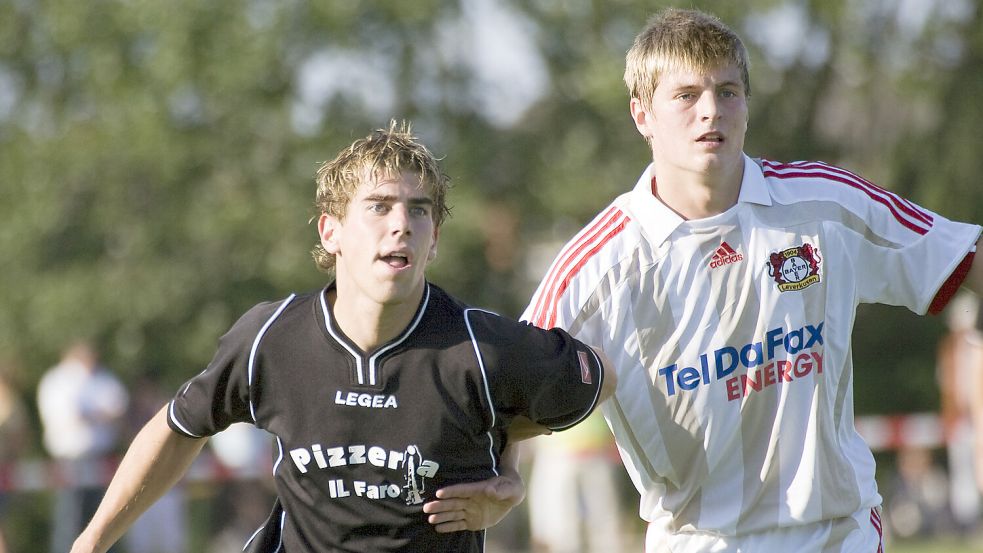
x=391, y=198
x=685, y=87
x=731, y=84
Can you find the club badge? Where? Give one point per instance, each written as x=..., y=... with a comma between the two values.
x=795, y=268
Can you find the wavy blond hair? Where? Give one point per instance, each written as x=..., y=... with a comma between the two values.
x=385, y=153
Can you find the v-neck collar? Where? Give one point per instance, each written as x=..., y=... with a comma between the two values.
x=369, y=359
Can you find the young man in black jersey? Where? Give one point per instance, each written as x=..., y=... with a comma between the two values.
x=379, y=389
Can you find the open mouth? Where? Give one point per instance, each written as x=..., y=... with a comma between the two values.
x=396, y=260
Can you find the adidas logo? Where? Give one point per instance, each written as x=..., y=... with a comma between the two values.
x=725, y=255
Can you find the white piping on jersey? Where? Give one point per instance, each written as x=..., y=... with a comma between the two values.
x=170, y=414
x=409, y=330
x=279, y=457
x=259, y=337
x=484, y=379
x=283, y=520
x=344, y=344
x=375, y=356
x=252, y=537
x=170, y=408
x=279, y=546
x=252, y=357
x=283, y=514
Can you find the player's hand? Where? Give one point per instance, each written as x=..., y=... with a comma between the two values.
x=475, y=505
x=523, y=428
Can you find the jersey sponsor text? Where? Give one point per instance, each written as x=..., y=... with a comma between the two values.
x=375, y=401
x=802, y=358
x=415, y=469
x=357, y=455
x=338, y=488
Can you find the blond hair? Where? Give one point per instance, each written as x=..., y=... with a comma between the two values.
x=386, y=153
x=676, y=38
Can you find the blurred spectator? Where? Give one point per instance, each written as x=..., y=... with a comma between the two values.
x=574, y=494
x=960, y=374
x=82, y=405
x=163, y=527
x=15, y=432
x=916, y=496
x=244, y=502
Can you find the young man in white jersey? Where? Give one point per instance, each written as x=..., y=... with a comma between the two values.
x=724, y=290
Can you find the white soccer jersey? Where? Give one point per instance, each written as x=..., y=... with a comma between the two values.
x=731, y=336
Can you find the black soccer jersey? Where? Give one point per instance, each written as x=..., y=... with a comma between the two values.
x=366, y=438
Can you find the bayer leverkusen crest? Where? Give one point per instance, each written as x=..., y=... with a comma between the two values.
x=795, y=268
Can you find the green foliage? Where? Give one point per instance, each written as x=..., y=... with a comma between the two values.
x=156, y=159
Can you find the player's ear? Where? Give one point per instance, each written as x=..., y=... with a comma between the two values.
x=432, y=254
x=641, y=116
x=329, y=229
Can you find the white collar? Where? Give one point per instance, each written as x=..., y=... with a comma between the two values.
x=658, y=221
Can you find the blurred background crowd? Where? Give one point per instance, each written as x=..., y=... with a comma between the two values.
x=156, y=180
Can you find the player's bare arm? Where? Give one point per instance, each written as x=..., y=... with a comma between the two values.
x=974, y=280
x=479, y=505
x=523, y=428
x=482, y=504
x=155, y=461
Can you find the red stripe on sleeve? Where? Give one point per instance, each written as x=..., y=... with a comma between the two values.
x=910, y=223
x=563, y=261
x=901, y=203
x=572, y=272
x=951, y=285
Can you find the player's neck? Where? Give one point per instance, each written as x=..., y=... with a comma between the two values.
x=368, y=323
x=697, y=195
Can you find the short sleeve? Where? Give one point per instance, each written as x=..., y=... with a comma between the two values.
x=917, y=270
x=219, y=396
x=545, y=375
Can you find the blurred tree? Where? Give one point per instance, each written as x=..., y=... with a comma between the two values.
x=156, y=159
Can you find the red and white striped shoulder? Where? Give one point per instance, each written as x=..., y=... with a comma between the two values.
x=815, y=180
x=583, y=249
